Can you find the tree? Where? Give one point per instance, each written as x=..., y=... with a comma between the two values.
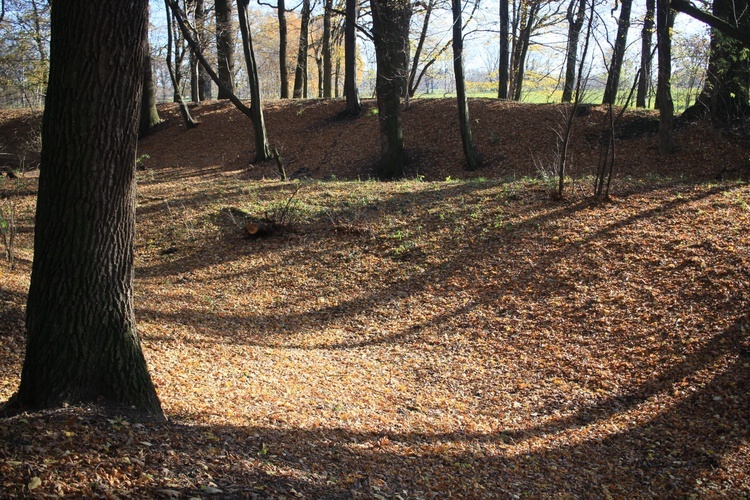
x=472, y=159
x=618, y=53
x=184, y=111
x=646, y=55
x=149, y=114
x=326, y=48
x=300, y=73
x=353, y=106
x=390, y=29
x=528, y=22
x=81, y=342
x=504, y=70
x=725, y=95
x=255, y=112
x=225, y=45
x=575, y=17
x=204, y=81
x=664, y=22
x=281, y=11
x=262, y=149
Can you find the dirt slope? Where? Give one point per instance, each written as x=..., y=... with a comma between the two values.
x=514, y=139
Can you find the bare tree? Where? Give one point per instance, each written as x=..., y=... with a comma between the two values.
x=504, y=62
x=472, y=159
x=353, y=106
x=646, y=55
x=149, y=114
x=664, y=22
x=618, y=53
x=262, y=149
x=184, y=111
x=575, y=17
x=225, y=45
x=390, y=28
x=300, y=74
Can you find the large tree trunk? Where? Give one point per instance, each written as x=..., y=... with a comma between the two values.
x=283, y=71
x=262, y=149
x=646, y=35
x=575, y=23
x=81, y=343
x=149, y=114
x=504, y=69
x=327, y=62
x=353, y=106
x=664, y=21
x=300, y=73
x=390, y=29
x=472, y=160
x=225, y=45
x=725, y=95
x=615, y=67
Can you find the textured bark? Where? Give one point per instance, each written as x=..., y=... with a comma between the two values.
x=390, y=29
x=646, y=36
x=262, y=148
x=472, y=160
x=82, y=344
x=353, y=106
x=149, y=114
x=575, y=23
x=664, y=21
x=300, y=73
x=504, y=70
x=225, y=46
x=615, y=67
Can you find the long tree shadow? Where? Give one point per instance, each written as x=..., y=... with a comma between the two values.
x=692, y=444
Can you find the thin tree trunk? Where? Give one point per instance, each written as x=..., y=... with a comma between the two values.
x=283, y=70
x=504, y=69
x=262, y=149
x=300, y=73
x=204, y=81
x=225, y=45
x=472, y=159
x=81, y=342
x=646, y=36
x=353, y=106
x=184, y=111
x=149, y=114
x=327, y=62
x=615, y=68
x=522, y=48
x=412, y=88
x=575, y=23
x=664, y=19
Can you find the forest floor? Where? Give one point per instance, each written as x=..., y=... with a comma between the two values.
x=446, y=335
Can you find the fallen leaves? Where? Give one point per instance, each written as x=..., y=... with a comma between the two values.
x=414, y=339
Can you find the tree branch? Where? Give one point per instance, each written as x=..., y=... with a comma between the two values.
x=724, y=27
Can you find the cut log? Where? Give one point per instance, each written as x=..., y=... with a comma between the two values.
x=256, y=229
